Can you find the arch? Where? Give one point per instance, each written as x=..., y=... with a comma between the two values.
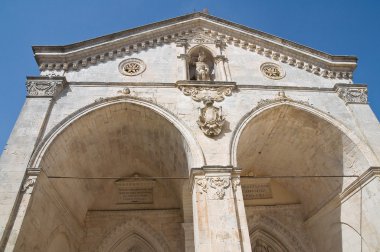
x=364, y=148
x=196, y=47
x=58, y=240
x=265, y=241
x=136, y=229
x=195, y=159
x=273, y=230
x=201, y=65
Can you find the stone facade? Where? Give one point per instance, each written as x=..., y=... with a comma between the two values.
x=191, y=134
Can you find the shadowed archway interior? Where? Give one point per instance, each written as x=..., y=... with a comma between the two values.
x=304, y=159
x=86, y=163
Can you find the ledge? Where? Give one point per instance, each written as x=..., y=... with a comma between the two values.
x=195, y=83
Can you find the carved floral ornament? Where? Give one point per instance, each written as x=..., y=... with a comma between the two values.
x=214, y=187
x=132, y=67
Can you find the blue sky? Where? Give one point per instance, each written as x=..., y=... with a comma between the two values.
x=341, y=27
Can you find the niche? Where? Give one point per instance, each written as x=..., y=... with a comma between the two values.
x=201, y=65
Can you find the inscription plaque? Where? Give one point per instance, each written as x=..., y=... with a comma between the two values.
x=257, y=191
x=139, y=191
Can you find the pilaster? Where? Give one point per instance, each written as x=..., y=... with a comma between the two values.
x=355, y=97
x=184, y=59
x=218, y=208
x=24, y=138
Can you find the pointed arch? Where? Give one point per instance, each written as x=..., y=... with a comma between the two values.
x=276, y=234
x=262, y=240
x=137, y=234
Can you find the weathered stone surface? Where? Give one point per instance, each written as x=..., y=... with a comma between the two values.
x=283, y=150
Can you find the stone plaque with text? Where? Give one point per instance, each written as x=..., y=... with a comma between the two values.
x=257, y=191
x=139, y=191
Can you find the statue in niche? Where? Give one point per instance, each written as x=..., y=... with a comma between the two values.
x=202, y=69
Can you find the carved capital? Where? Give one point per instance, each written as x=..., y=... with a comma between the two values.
x=45, y=86
x=214, y=187
x=235, y=183
x=353, y=94
x=220, y=58
x=30, y=181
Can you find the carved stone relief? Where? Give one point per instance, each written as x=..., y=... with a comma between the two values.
x=132, y=67
x=211, y=119
x=214, y=187
x=272, y=71
x=28, y=185
x=203, y=93
x=45, y=86
x=353, y=94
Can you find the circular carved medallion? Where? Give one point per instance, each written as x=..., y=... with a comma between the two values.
x=272, y=71
x=132, y=67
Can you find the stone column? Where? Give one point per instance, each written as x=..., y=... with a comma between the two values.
x=219, y=63
x=17, y=153
x=218, y=208
x=183, y=69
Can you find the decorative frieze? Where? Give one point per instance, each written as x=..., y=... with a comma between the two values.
x=45, y=86
x=202, y=36
x=353, y=94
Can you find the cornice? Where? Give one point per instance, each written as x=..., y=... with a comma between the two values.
x=102, y=49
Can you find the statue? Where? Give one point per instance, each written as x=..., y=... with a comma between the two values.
x=201, y=68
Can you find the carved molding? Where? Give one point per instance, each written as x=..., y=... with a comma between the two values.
x=287, y=237
x=281, y=97
x=214, y=187
x=351, y=94
x=45, y=86
x=134, y=226
x=197, y=36
x=202, y=91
